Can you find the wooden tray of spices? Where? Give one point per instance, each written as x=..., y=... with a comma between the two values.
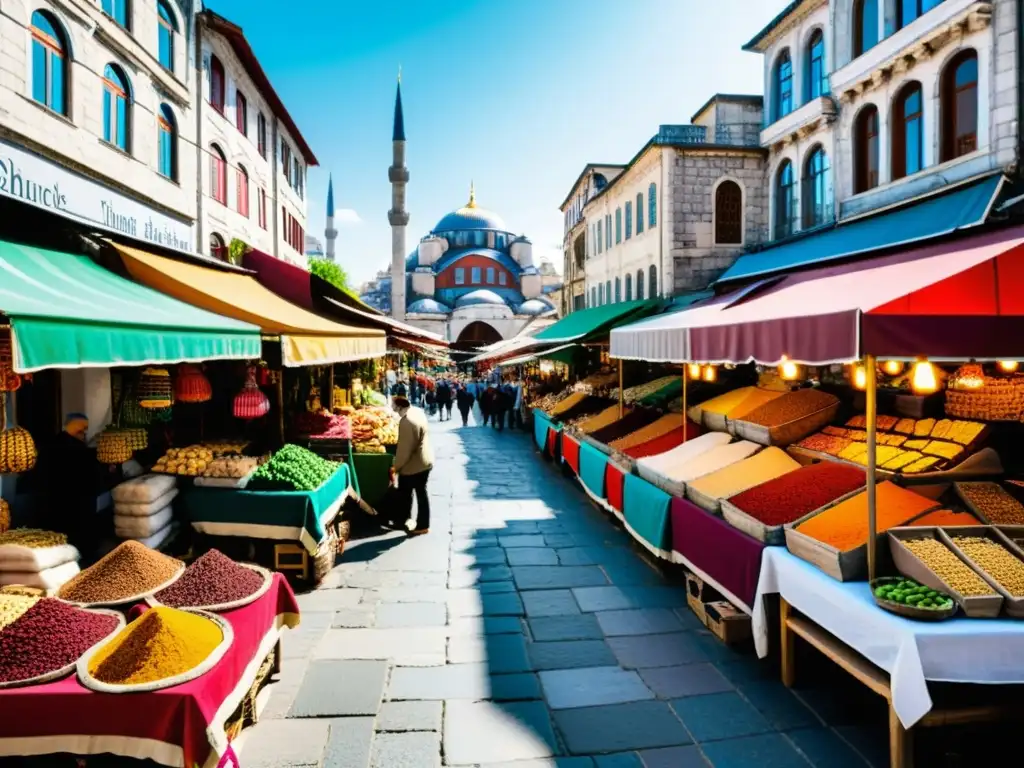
x=790, y=432
x=1013, y=605
x=773, y=535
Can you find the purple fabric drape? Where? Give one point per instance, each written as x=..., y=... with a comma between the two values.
x=286, y=280
x=814, y=339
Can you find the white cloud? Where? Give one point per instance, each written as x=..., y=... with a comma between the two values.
x=346, y=217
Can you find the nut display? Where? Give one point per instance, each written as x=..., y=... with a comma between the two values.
x=190, y=461
x=33, y=538
x=13, y=606
x=231, y=467
x=129, y=570
x=824, y=443
x=790, y=407
x=1001, y=565
x=948, y=567
x=374, y=425
x=992, y=501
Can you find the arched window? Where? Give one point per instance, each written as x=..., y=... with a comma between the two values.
x=629, y=219
x=167, y=143
x=218, y=175
x=865, y=150
x=216, y=84
x=784, y=200
x=960, y=106
x=865, y=25
x=815, y=188
x=782, y=86
x=49, y=63
x=116, y=103
x=652, y=206
x=242, y=191
x=640, y=213
x=241, y=113
x=166, y=28
x=728, y=214
x=618, y=290
x=907, y=132
x=629, y=287
x=217, y=248
x=910, y=10
x=618, y=226
x=119, y=11
x=816, y=80
x=639, y=284
x=652, y=276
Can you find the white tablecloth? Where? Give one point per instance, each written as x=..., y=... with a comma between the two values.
x=959, y=650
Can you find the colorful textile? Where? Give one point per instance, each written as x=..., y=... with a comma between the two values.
x=541, y=421
x=554, y=433
x=647, y=513
x=571, y=452
x=725, y=554
x=183, y=725
x=614, y=481
x=664, y=443
x=592, y=464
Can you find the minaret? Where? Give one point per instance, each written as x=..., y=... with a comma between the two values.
x=330, y=233
x=398, y=175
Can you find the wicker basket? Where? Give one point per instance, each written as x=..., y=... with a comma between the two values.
x=997, y=400
x=112, y=447
x=154, y=390
x=5, y=516
x=326, y=553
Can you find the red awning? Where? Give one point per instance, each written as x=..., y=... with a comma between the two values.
x=955, y=300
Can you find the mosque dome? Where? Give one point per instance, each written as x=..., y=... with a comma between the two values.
x=470, y=217
x=478, y=298
x=534, y=307
x=428, y=307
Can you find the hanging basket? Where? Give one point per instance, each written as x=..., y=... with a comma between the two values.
x=192, y=386
x=17, y=451
x=134, y=415
x=5, y=516
x=154, y=391
x=251, y=403
x=112, y=447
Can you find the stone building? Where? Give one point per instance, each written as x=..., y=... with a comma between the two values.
x=682, y=209
x=253, y=158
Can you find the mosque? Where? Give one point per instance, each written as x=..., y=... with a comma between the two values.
x=469, y=279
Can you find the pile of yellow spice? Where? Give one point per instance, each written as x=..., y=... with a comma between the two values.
x=160, y=644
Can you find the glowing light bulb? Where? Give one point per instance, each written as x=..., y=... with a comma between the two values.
x=1008, y=366
x=893, y=367
x=709, y=373
x=789, y=371
x=694, y=369
x=860, y=377
x=924, y=380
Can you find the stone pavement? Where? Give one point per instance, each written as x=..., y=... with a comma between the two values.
x=526, y=631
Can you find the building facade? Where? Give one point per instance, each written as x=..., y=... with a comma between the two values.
x=682, y=209
x=593, y=179
x=874, y=103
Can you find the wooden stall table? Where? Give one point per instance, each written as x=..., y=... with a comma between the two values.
x=893, y=656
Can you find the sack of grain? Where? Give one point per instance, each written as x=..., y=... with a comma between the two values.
x=143, y=489
x=50, y=579
x=145, y=508
x=35, y=559
x=138, y=527
x=161, y=537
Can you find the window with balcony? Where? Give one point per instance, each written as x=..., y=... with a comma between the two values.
x=166, y=28
x=910, y=10
x=959, y=96
x=816, y=78
x=218, y=175
x=639, y=284
x=119, y=11
x=618, y=226
x=167, y=143
x=652, y=206
x=865, y=26
x=629, y=287
x=216, y=84
x=865, y=150
x=784, y=194
x=629, y=219
x=116, y=107
x=639, y=213
x=907, y=132
x=241, y=113
x=782, y=86
x=49, y=62
x=242, y=191
x=652, y=278
x=816, y=188
x=728, y=214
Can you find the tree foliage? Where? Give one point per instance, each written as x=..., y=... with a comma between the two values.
x=332, y=273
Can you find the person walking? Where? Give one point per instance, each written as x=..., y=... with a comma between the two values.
x=443, y=395
x=464, y=400
x=414, y=459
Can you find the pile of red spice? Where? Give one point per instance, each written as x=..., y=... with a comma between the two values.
x=795, y=494
x=213, y=579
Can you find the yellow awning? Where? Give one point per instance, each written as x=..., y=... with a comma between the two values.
x=306, y=338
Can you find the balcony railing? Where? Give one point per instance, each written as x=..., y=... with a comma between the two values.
x=729, y=134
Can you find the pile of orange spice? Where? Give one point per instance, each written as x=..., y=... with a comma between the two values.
x=845, y=526
x=946, y=517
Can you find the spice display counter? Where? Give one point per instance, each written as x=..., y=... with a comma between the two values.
x=182, y=725
x=301, y=516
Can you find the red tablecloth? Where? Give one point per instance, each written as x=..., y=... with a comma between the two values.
x=179, y=726
x=614, y=480
x=552, y=443
x=571, y=452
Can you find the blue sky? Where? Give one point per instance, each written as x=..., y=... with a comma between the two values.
x=516, y=95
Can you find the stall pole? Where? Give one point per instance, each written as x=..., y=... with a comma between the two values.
x=330, y=389
x=871, y=393
x=621, y=395
x=280, y=405
x=686, y=427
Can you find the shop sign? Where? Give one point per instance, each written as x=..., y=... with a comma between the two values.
x=31, y=179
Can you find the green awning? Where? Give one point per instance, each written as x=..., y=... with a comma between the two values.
x=586, y=322
x=67, y=312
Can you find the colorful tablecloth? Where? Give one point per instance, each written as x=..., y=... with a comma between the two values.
x=724, y=556
x=571, y=452
x=301, y=516
x=646, y=509
x=181, y=726
x=614, y=486
x=541, y=423
x=592, y=464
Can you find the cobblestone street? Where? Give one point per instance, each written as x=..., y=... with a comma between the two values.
x=526, y=631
